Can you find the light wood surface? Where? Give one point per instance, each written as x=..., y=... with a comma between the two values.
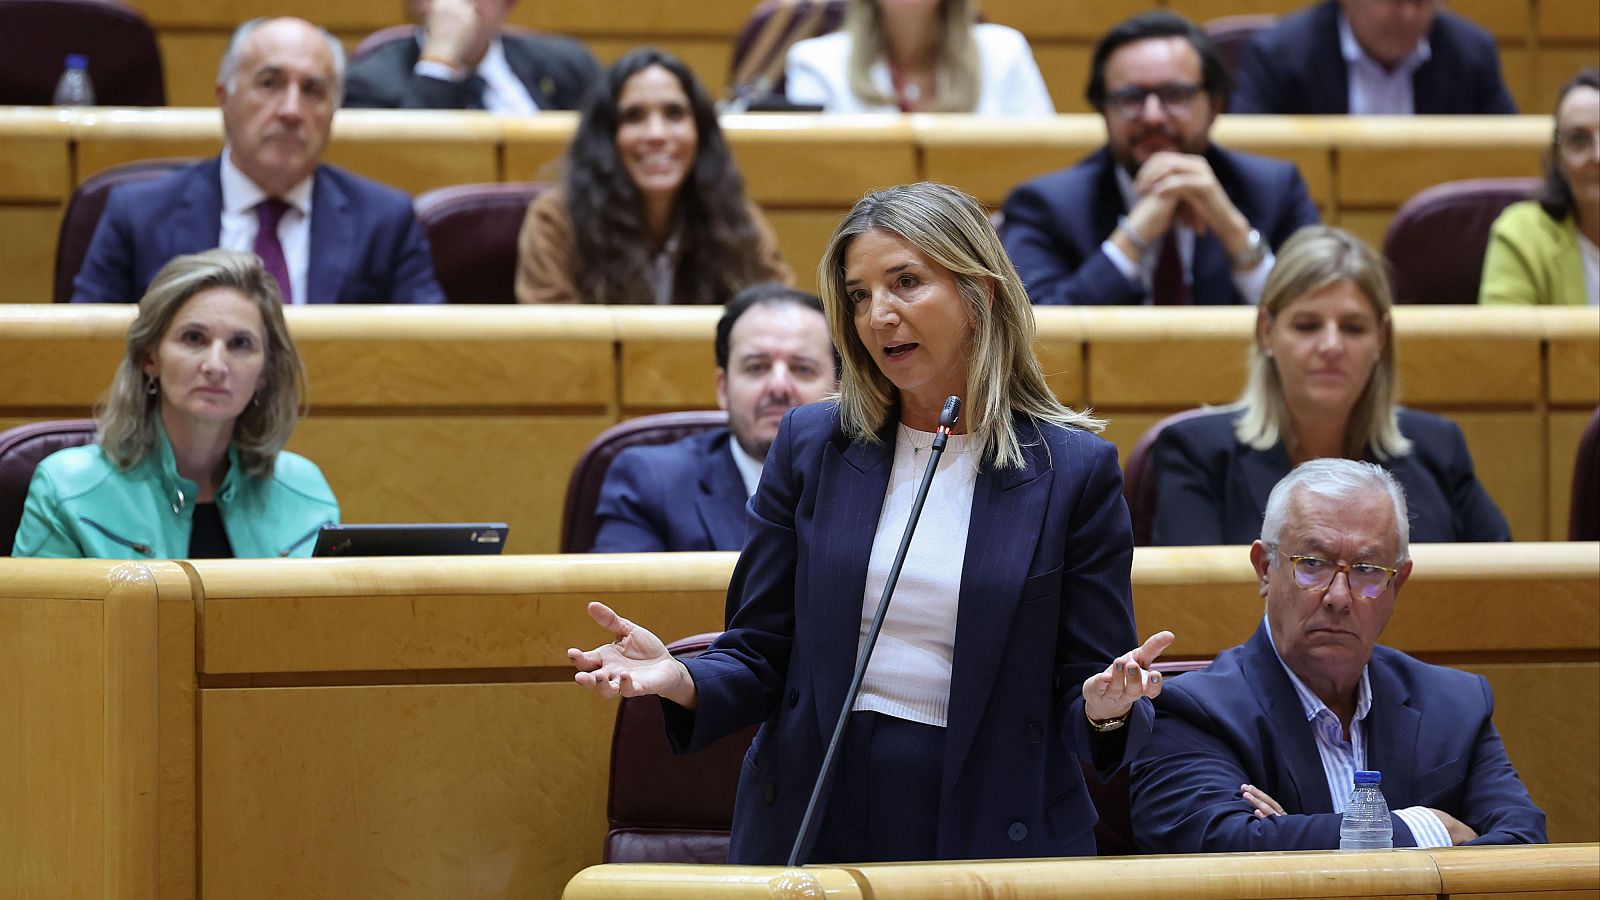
x=1439, y=873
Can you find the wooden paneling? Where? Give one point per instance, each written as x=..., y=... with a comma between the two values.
x=427, y=150
x=988, y=162
x=33, y=161
x=1083, y=20
x=59, y=356
x=710, y=58
x=189, y=61
x=842, y=159
x=1567, y=19
x=1559, y=62
x=802, y=236
x=107, y=138
x=1136, y=359
x=417, y=791
x=1513, y=477
x=535, y=146
x=1468, y=355
x=1566, y=430
x=1061, y=353
x=1573, y=336
x=1382, y=161
x=1065, y=68
x=28, y=252
x=666, y=361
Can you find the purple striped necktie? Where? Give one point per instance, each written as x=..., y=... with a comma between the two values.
x=268, y=213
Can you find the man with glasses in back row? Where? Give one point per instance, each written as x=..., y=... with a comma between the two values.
x=1259, y=751
x=1160, y=215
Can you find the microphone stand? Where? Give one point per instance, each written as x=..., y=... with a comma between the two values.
x=813, y=817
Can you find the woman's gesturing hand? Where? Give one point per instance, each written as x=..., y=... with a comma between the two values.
x=1110, y=694
x=636, y=663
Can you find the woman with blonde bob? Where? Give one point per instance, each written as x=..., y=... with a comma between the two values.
x=188, y=459
x=1004, y=658
x=1322, y=383
x=917, y=56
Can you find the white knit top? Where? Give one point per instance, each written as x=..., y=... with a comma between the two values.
x=909, y=675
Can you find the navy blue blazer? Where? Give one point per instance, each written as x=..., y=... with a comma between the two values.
x=1044, y=603
x=366, y=245
x=1211, y=489
x=1054, y=226
x=556, y=72
x=1296, y=67
x=1240, y=722
x=686, y=495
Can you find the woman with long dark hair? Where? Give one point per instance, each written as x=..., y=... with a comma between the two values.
x=651, y=208
x=1547, y=250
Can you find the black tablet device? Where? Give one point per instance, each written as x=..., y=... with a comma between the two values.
x=416, y=539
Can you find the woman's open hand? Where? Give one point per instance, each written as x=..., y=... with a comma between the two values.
x=1110, y=694
x=636, y=663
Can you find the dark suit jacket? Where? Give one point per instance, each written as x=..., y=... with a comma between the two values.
x=366, y=245
x=556, y=71
x=1054, y=226
x=686, y=495
x=1240, y=722
x=1296, y=67
x=1211, y=489
x=1044, y=603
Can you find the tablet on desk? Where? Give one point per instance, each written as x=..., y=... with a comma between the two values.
x=416, y=539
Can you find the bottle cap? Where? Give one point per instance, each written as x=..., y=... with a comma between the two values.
x=1369, y=777
x=77, y=61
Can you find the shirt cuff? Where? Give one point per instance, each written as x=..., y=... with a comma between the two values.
x=1425, y=826
x=1251, y=281
x=1126, y=266
x=427, y=68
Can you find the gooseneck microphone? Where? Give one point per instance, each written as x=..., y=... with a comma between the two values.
x=813, y=817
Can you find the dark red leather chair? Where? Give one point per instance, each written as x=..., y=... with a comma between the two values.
x=124, y=60
x=1583, y=522
x=1232, y=33
x=1436, y=241
x=578, y=523
x=1139, y=482
x=472, y=229
x=666, y=808
x=765, y=39
x=83, y=214
x=21, y=449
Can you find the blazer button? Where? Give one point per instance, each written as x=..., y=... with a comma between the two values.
x=794, y=698
x=1035, y=733
x=1017, y=831
x=769, y=793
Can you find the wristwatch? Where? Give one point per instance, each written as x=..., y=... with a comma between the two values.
x=1255, y=250
x=1104, y=725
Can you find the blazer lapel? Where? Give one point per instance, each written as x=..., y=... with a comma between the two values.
x=333, y=249
x=1296, y=747
x=530, y=70
x=198, y=223
x=1392, y=730
x=853, y=482
x=1259, y=471
x=1008, y=508
x=721, y=499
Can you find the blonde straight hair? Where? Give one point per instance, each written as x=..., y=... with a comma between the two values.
x=956, y=69
x=1318, y=256
x=1003, y=374
x=125, y=418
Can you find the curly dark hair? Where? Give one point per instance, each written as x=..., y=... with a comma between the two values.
x=717, y=238
x=1555, y=195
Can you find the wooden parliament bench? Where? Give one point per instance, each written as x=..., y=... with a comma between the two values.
x=408, y=728
x=804, y=170
x=470, y=413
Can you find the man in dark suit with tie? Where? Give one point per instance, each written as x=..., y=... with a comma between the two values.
x=1259, y=751
x=1372, y=57
x=326, y=235
x=1160, y=214
x=462, y=58
x=773, y=353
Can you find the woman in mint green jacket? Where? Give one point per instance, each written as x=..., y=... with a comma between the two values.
x=188, y=459
x=1547, y=250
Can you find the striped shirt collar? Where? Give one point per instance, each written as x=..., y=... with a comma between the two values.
x=1310, y=703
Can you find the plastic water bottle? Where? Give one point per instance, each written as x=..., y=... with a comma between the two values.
x=74, y=88
x=1366, y=824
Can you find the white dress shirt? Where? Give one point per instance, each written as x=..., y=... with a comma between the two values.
x=749, y=467
x=1249, y=283
x=240, y=196
x=503, y=92
x=1591, y=266
x=1342, y=758
x=1374, y=89
x=817, y=73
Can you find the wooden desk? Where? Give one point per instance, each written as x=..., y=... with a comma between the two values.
x=1431, y=874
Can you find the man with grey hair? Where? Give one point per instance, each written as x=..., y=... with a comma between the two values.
x=1259, y=751
x=326, y=235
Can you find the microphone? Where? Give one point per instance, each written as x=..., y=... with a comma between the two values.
x=813, y=817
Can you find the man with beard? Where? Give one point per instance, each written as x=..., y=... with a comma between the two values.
x=773, y=353
x=1160, y=215
x=325, y=235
